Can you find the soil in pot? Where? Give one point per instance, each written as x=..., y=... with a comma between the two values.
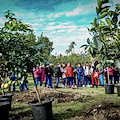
x=109, y=89
x=43, y=110
x=4, y=110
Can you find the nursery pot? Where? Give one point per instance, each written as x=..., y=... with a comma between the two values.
x=6, y=100
x=43, y=110
x=109, y=89
x=118, y=90
x=4, y=110
x=7, y=95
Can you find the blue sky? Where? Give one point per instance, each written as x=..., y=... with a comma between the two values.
x=62, y=21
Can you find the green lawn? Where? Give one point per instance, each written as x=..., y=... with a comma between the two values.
x=69, y=109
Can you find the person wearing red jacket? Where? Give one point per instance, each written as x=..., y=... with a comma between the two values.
x=69, y=74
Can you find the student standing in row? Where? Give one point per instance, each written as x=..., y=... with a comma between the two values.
x=49, y=74
x=80, y=73
x=69, y=75
x=58, y=73
x=63, y=70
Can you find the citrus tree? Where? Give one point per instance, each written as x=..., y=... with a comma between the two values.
x=15, y=56
x=105, y=31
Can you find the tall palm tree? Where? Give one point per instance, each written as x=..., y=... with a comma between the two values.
x=72, y=46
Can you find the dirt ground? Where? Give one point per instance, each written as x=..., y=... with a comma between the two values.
x=59, y=96
x=99, y=111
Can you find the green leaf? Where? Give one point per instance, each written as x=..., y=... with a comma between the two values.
x=88, y=41
x=104, y=10
x=98, y=44
x=95, y=21
x=99, y=3
x=97, y=10
x=108, y=21
x=103, y=15
x=118, y=6
x=117, y=63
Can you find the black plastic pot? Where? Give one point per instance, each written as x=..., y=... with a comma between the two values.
x=4, y=110
x=42, y=111
x=109, y=89
x=6, y=100
x=118, y=90
x=7, y=95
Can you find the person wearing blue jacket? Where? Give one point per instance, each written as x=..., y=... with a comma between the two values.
x=80, y=74
x=12, y=78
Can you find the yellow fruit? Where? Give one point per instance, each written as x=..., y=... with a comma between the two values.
x=16, y=84
x=2, y=85
x=9, y=82
x=6, y=85
x=18, y=81
x=98, y=66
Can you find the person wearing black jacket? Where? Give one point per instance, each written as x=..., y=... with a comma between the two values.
x=58, y=74
x=49, y=74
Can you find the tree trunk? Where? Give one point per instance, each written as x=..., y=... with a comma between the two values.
x=38, y=96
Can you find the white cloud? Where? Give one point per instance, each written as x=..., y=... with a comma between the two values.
x=2, y=20
x=76, y=11
x=59, y=31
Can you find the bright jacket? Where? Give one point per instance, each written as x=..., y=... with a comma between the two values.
x=69, y=71
x=42, y=75
x=36, y=72
x=110, y=71
x=80, y=71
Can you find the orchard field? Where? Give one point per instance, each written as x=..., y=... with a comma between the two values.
x=70, y=104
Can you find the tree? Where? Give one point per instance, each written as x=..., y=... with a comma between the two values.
x=15, y=55
x=46, y=51
x=72, y=45
x=105, y=30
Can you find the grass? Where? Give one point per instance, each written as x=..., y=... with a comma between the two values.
x=74, y=108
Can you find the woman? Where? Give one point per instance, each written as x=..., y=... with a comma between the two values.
x=94, y=76
x=63, y=70
x=80, y=73
x=42, y=75
x=36, y=72
x=86, y=74
x=57, y=74
x=69, y=75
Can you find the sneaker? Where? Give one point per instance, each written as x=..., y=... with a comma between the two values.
x=67, y=86
x=75, y=86
x=88, y=85
x=72, y=86
x=62, y=86
x=83, y=85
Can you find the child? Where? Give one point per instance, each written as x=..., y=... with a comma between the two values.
x=63, y=75
x=80, y=73
x=94, y=76
x=49, y=74
x=74, y=77
x=25, y=82
x=58, y=74
x=86, y=74
x=116, y=75
x=12, y=78
x=36, y=72
x=69, y=75
x=42, y=75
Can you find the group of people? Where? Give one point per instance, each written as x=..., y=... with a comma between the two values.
x=87, y=75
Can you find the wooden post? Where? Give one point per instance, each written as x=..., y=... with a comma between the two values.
x=38, y=95
x=108, y=75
